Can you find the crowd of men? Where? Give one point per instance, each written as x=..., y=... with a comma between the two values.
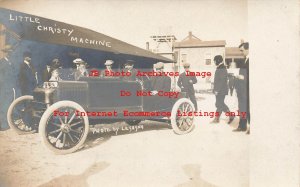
x=28, y=80
x=223, y=83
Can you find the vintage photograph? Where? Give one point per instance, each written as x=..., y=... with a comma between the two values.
x=124, y=93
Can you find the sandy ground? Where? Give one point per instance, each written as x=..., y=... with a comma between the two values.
x=211, y=155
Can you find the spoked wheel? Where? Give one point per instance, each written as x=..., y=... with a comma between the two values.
x=133, y=122
x=182, y=124
x=64, y=132
x=20, y=115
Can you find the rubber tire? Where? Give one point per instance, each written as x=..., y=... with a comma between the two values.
x=174, y=114
x=48, y=113
x=10, y=110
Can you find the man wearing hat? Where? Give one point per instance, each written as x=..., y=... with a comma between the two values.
x=7, y=85
x=27, y=75
x=221, y=89
x=129, y=68
x=81, y=70
x=77, y=62
x=186, y=84
x=108, y=64
x=160, y=83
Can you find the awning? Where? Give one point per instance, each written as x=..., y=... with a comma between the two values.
x=35, y=28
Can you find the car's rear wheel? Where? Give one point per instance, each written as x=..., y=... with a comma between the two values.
x=19, y=115
x=64, y=132
x=181, y=123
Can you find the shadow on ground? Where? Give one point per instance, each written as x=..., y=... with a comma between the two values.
x=76, y=180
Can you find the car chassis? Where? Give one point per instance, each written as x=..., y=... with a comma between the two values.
x=65, y=134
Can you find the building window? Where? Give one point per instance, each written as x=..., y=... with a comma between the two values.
x=207, y=58
x=207, y=61
x=183, y=58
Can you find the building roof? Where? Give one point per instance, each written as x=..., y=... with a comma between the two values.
x=55, y=32
x=233, y=52
x=192, y=41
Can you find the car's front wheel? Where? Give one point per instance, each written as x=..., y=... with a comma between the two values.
x=180, y=121
x=61, y=129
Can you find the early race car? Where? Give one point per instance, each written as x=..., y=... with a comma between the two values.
x=64, y=114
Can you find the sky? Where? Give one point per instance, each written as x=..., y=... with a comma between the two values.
x=134, y=21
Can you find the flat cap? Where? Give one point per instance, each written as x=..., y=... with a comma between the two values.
x=108, y=62
x=159, y=65
x=186, y=64
x=78, y=61
x=130, y=62
x=27, y=58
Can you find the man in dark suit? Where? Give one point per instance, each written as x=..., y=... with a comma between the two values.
x=47, y=73
x=242, y=89
x=186, y=84
x=129, y=68
x=221, y=88
x=7, y=85
x=27, y=76
x=160, y=83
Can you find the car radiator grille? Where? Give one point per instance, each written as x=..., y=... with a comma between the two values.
x=73, y=91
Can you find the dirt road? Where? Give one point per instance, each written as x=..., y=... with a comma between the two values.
x=211, y=155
